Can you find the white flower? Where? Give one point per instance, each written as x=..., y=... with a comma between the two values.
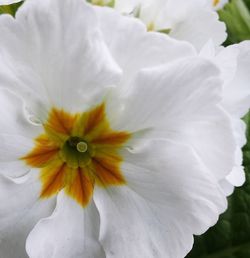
x=109, y=135
x=193, y=20
x=234, y=62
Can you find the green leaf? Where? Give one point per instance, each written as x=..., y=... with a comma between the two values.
x=230, y=237
x=237, y=18
x=10, y=9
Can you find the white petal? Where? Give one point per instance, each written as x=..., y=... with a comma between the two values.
x=13, y=147
x=180, y=102
x=239, y=127
x=233, y=62
x=16, y=134
x=70, y=232
x=214, y=142
x=13, y=116
x=237, y=92
x=168, y=197
x=237, y=176
x=170, y=93
x=200, y=25
x=143, y=49
x=224, y=58
x=227, y=187
x=20, y=210
x=53, y=53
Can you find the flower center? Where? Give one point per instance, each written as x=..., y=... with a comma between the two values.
x=77, y=143
x=77, y=152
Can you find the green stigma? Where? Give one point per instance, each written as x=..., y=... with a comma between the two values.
x=82, y=146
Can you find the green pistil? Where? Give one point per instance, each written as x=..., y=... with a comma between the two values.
x=76, y=152
x=82, y=146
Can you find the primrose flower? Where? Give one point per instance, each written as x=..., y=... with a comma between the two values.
x=234, y=63
x=193, y=21
x=108, y=136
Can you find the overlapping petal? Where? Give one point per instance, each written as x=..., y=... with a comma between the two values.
x=70, y=232
x=55, y=66
x=20, y=210
x=16, y=134
x=152, y=48
x=183, y=105
x=161, y=205
x=233, y=62
x=237, y=91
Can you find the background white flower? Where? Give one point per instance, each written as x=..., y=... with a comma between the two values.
x=193, y=21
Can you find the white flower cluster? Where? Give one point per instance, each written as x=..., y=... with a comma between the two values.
x=120, y=128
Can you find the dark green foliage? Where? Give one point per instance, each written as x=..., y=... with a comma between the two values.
x=247, y=2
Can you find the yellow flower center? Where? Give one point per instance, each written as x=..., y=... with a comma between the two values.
x=77, y=152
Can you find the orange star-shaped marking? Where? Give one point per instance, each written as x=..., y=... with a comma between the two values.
x=75, y=152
